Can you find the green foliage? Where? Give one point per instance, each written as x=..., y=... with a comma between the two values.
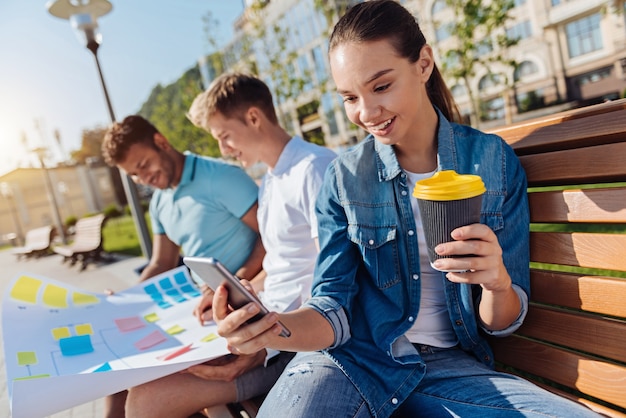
x=166, y=108
x=120, y=236
x=90, y=146
x=112, y=211
x=71, y=220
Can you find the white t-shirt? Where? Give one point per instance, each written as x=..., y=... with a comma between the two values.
x=288, y=224
x=432, y=326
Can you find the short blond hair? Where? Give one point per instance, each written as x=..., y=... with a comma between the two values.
x=232, y=94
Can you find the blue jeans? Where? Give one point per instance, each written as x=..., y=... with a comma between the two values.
x=455, y=385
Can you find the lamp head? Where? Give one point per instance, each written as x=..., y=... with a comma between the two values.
x=83, y=16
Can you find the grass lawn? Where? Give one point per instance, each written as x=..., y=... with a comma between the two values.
x=120, y=235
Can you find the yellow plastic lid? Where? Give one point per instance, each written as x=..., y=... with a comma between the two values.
x=448, y=185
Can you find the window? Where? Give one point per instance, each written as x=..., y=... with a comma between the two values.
x=492, y=109
x=490, y=80
x=329, y=110
x=443, y=31
x=525, y=69
x=583, y=35
x=458, y=90
x=522, y=30
x=438, y=6
x=484, y=47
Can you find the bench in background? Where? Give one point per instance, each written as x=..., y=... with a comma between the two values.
x=87, y=244
x=37, y=243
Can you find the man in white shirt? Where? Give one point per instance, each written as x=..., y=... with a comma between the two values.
x=238, y=110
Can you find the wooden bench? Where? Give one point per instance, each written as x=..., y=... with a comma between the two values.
x=36, y=243
x=573, y=341
x=87, y=244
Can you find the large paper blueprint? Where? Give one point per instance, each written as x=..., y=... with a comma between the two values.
x=65, y=346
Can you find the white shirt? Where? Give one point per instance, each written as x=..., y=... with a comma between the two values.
x=288, y=224
x=432, y=326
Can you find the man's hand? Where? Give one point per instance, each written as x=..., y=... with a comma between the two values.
x=203, y=311
x=229, y=367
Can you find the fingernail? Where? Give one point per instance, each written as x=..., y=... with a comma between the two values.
x=252, y=308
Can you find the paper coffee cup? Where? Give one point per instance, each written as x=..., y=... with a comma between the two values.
x=447, y=201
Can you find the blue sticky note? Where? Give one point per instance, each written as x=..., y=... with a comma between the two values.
x=166, y=283
x=180, y=278
x=104, y=368
x=72, y=346
x=190, y=290
x=151, y=289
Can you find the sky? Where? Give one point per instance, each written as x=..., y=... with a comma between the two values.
x=49, y=81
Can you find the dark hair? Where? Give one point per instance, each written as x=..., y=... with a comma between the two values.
x=231, y=94
x=122, y=135
x=386, y=19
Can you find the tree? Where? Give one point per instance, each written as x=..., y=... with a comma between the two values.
x=480, y=41
x=91, y=145
x=166, y=108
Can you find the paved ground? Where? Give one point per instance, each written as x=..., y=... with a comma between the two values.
x=117, y=274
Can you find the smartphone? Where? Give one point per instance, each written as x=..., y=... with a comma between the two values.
x=213, y=273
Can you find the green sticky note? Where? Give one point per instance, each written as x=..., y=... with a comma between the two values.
x=26, y=358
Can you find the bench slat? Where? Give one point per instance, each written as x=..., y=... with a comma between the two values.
x=595, y=250
x=604, y=337
x=603, y=295
x=591, y=376
x=579, y=127
x=598, y=164
x=590, y=205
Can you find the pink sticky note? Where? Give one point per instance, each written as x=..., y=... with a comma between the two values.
x=129, y=324
x=150, y=340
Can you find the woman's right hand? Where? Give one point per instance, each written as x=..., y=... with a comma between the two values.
x=242, y=337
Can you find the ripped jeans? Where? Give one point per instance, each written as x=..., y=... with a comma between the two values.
x=455, y=385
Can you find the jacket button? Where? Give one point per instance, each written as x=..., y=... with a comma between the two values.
x=458, y=322
x=394, y=401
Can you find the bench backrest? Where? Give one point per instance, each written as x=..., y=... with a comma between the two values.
x=39, y=238
x=574, y=338
x=88, y=231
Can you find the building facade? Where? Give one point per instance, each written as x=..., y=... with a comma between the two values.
x=26, y=201
x=569, y=53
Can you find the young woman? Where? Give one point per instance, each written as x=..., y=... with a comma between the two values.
x=394, y=335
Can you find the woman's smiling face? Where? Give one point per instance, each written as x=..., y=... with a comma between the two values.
x=382, y=92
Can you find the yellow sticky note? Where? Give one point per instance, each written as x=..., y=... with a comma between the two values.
x=209, y=337
x=83, y=329
x=55, y=296
x=61, y=332
x=84, y=299
x=153, y=317
x=176, y=329
x=25, y=289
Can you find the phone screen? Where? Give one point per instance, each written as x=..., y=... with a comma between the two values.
x=214, y=274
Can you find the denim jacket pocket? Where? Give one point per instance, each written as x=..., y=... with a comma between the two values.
x=379, y=250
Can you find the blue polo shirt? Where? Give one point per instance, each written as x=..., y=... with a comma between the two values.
x=203, y=213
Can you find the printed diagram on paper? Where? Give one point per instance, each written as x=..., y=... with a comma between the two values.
x=65, y=341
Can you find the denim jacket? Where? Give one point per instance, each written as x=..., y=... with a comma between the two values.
x=367, y=279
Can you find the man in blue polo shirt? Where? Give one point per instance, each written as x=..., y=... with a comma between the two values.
x=202, y=205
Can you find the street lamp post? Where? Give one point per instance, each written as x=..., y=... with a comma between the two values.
x=83, y=15
x=7, y=192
